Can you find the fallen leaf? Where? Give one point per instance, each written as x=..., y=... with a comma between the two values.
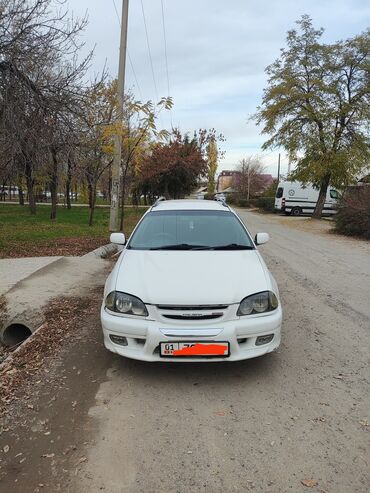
x=309, y=483
x=6, y=449
x=48, y=456
x=80, y=461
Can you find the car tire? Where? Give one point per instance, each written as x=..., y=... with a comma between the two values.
x=296, y=211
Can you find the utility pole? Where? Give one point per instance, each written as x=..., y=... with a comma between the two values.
x=279, y=168
x=116, y=167
x=289, y=165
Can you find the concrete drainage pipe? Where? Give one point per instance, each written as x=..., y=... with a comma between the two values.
x=15, y=334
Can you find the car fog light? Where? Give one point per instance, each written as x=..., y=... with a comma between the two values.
x=261, y=340
x=121, y=341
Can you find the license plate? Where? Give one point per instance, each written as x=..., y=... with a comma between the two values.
x=192, y=349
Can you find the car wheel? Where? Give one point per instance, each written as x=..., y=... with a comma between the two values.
x=296, y=211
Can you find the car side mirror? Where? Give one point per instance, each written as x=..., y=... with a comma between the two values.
x=118, y=238
x=261, y=238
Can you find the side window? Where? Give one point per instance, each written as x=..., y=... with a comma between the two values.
x=334, y=194
x=279, y=192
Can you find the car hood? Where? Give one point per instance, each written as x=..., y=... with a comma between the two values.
x=191, y=277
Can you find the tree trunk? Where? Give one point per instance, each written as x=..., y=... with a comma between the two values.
x=68, y=183
x=90, y=194
x=322, y=197
x=54, y=185
x=92, y=201
x=20, y=194
x=30, y=184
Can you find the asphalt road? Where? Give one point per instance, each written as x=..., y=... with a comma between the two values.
x=293, y=421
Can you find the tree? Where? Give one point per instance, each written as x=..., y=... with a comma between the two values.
x=137, y=130
x=212, y=165
x=40, y=82
x=95, y=141
x=248, y=182
x=317, y=107
x=173, y=168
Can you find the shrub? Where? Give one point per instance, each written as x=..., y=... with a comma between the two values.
x=266, y=203
x=353, y=218
x=209, y=196
x=231, y=199
x=243, y=203
x=271, y=191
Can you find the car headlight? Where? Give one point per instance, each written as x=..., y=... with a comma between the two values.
x=126, y=304
x=258, y=303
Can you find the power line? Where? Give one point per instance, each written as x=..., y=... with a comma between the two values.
x=165, y=49
x=128, y=53
x=149, y=51
x=166, y=56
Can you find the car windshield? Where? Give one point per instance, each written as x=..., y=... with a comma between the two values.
x=190, y=230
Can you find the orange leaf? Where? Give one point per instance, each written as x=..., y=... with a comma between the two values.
x=309, y=483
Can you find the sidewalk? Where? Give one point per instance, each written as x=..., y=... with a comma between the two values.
x=28, y=285
x=13, y=271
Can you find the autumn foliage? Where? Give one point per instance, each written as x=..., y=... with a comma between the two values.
x=173, y=168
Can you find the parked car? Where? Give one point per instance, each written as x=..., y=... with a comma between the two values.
x=156, y=306
x=295, y=198
x=221, y=197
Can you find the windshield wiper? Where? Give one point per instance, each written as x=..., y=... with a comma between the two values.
x=233, y=246
x=182, y=246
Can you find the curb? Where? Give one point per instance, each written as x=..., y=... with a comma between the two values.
x=103, y=252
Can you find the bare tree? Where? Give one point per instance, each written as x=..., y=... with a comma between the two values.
x=40, y=85
x=249, y=180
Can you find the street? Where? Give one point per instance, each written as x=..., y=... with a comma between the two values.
x=296, y=420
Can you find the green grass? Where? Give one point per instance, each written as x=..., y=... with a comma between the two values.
x=18, y=226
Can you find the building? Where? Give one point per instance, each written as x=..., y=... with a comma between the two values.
x=226, y=179
x=229, y=179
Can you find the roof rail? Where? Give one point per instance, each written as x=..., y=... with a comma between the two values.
x=160, y=199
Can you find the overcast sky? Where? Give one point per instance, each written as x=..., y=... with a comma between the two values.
x=217, y=53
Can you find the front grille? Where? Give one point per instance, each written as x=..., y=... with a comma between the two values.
x=192, y=312
x=194, y=317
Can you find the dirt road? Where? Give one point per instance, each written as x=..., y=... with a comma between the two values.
x=297, y=420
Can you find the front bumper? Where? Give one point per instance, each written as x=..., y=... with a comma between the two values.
x=144, y=336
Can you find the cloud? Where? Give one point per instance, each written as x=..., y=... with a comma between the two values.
x=217, y=53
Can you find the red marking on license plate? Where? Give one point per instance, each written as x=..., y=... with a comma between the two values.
x=202, y=350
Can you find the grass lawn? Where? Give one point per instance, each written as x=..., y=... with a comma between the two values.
x=23, y=235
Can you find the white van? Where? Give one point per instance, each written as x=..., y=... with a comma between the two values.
x=292, y=197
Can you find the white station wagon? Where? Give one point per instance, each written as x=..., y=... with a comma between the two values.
x=190, y=285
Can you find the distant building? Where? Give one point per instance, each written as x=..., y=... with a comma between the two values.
x=226, y=179
x=229, y=179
